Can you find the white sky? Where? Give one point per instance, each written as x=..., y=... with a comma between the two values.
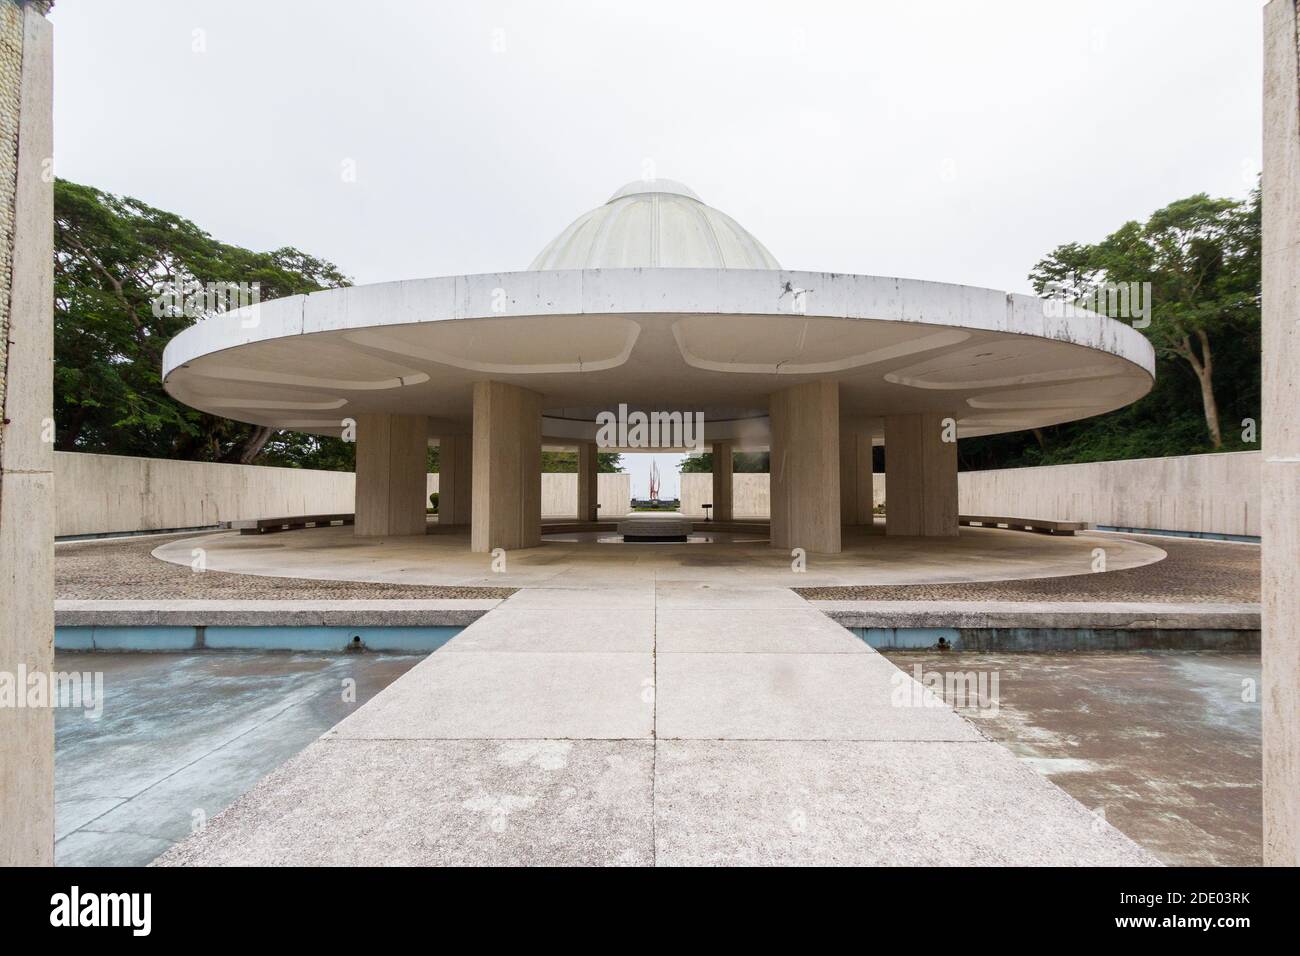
x=953, y=141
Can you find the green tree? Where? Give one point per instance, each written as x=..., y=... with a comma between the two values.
x=113, y=256
x=607, y=462
x=742, y=462
x=1201, y=257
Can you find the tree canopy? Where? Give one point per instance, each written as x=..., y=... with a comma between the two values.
x=1202, y=259
x=115, y=258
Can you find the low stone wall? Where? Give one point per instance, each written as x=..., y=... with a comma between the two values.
x=1207, y=494
x=750, y=495
x=111, y=494
x=103, y=494
x=560, y=494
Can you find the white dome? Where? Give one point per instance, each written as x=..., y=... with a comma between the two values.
x=654, y=222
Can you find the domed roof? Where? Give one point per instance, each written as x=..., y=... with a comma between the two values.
x=654, y=222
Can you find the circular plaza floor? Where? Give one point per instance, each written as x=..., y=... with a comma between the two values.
x=578, y=558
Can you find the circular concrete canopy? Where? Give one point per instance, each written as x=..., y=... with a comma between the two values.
x=718, y=340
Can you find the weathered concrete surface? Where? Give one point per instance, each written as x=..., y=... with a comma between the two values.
x=855, y=803
x=803, y=696
x=1215, y=494
x=714, y=338
x=857, y=476
x=266, y=613
x=560, y=495
x=1281, y=433
x=1192, y=572
x=750, y=494
x=722, y=482
x=501, y=748
x=1165, y=746
x=447, y=802
x=103, y=494
x=729, y=558
x=26, y=438
x=1041, y=614
x=392, y=462
x=921, y=476
x=125, y=569
x=107, y=494
x=806, y=467
x=507, y=489
x=156, y=764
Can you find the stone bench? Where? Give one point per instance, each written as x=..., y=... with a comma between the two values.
x=1042, y=525
x=263, y=525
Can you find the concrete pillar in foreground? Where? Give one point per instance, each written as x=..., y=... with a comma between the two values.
x=856, y=475
x=392, y=462
x=507, y=467
x=921, y=476
x=455, y=479
x=723, y=509
x=588, y=482
x=1280, y=429
x=806, y=467
x=26, y=440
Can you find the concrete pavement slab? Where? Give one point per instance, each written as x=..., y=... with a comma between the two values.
x=678, y=594
x=560, y=629
x=796, y=697
x=876, y=804
x=597, y=597
x=683, y=630
x=447, y=802
x=513, y=694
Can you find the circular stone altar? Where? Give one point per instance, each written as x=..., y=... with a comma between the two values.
x=655, y=526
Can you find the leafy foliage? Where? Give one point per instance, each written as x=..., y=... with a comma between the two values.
x=566, y=462
x=112, y=257
x=1202, y=258
x=742, y=462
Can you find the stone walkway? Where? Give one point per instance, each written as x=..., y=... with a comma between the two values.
x=664, y=723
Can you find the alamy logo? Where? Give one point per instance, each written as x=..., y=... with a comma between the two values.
x=36, y=689
x=623, y=429
x=198, y=300
x=971, y=693
x=1115, y=300
x=75, y=908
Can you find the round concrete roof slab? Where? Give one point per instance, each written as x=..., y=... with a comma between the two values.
x=715, y=340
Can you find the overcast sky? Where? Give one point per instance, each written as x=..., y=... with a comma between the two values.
x=953, y=141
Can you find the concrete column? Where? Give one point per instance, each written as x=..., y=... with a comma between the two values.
x=856, y=476
x=26, y=439
x=806, y=467
x=588, y=482
x=723, y=509
x=392, y=462
x=507, y=467
x=1280, y=430
x=921, y=477
x=455, y=479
